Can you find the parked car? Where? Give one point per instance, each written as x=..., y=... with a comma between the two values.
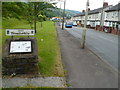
x=68, y=24
x=106, y=30
x=74, y=24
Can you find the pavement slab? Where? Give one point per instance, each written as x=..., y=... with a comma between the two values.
x=48, y=81
x=56, y=82
x=14, y=82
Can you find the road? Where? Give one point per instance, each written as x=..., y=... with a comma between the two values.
x=104, y=45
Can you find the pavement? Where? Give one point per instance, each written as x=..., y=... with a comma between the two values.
x=56, y=82
x=104, y=45
x=84, y=68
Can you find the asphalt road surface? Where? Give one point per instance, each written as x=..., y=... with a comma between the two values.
x=104, y=45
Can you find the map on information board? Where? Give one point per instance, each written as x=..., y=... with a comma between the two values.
x=20, y=47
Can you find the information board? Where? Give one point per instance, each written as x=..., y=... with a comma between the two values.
x=20, y=47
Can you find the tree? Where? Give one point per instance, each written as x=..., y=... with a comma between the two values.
x=40, y=6
x=29, y=15
x=41, y=18
x=13, y=9
x=25, y=10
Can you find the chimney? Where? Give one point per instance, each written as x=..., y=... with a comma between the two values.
x=83, y=10
x=105, y=4
x=88, y=9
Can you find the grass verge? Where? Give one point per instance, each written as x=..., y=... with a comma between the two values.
x=47, y=43
x=0, y=41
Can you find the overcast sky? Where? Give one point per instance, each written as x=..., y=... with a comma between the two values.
x=79, y=5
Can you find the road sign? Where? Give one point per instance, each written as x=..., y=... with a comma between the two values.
x=20, y=32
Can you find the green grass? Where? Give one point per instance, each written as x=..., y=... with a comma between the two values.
x=14, y=23
x=48, y=49
x=0, y=40
x=49, y=43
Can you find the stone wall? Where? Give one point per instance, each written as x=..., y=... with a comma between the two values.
x=22, y=63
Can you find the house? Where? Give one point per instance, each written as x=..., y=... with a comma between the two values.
x=112, y=19
x=95, y=17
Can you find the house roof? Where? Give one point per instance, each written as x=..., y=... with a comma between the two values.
x=91, y=11
x=114, y=8
x=80, y=14
x=95, y=11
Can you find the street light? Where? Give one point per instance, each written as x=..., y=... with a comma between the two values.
x=63, y=15
x=84, y=30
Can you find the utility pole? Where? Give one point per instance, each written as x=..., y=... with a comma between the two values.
x=63, y=15
x=101, y=18
x=84, y=29
x=60, y=13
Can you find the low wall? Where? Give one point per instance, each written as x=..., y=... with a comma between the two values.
x=20, y=63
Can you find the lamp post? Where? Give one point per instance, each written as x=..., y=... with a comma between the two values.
x=63, y=16
x=84, y=30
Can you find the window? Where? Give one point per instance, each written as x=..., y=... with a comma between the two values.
x=116, y=14
x=106, y=15
x=112, y=14
x=96, y=16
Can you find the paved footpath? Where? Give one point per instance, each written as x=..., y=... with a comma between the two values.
x=56, y=82
x=84, y=69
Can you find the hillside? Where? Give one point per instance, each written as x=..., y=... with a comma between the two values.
x=59, y=12
x=71, y=12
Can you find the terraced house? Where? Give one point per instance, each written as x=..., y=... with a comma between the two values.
x=112, y=19
x=105, y=18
